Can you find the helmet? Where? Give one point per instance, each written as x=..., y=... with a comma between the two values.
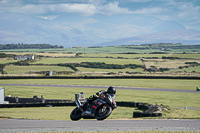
x=111, y=90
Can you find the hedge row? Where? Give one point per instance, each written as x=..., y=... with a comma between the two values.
x=143, y=114
x=96, y=77
x=35, y=105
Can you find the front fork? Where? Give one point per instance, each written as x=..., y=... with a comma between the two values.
x=78, y=103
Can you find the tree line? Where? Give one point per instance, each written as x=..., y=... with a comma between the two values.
x=28, y=46
x=100, y=65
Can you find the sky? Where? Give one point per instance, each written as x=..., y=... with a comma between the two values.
x=186, y=12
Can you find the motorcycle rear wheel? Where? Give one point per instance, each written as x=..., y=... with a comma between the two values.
x=101, y=115
x=76, y=114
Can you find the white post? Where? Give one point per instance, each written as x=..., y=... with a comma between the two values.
x=2, y=95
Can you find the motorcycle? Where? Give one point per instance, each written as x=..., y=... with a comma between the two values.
x=99, y=109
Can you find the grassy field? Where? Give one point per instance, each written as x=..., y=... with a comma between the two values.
x=190, y=69
x=25, y=69
x=57, y=113
x=110, y=58
x=56, y=54
x=193, y=56
x=7, y=60
x=97, y=71
x=166, y=63
x=148, y=83
x=151, y=131
x=125, y=55
x=79, y=60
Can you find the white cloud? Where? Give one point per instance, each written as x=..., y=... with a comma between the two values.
x=150, y=11
x=112, y=8
x=184, y=12
x=88, y=7
x=140, y=0
x=41, y=9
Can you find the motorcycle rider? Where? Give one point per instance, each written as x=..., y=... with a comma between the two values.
x=111, y=90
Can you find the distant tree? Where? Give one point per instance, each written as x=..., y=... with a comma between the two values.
x=28, y=46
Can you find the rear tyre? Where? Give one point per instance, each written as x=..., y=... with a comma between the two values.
x=76, y=114
x=103, y=112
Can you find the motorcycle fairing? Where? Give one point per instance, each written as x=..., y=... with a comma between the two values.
x=94, y=105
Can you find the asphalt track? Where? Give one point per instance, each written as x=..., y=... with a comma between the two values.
x=18, y=125
x=104, y=87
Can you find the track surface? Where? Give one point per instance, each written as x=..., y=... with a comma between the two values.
x=103, y=87
x=17, y=125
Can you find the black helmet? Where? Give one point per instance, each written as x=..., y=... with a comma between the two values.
x=111, y=90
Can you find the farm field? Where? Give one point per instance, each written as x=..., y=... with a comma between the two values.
x=162, y=59
x=171, y=67
x=98, y=71
x=79, y=60
x=167, y=63
x=7, y=60
x=56, y=54
x=145, y=48
x=191, y=70
x=29, y=69
x=192, y=56
x=125, y=55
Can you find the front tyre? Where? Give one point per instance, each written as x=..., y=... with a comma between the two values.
x=76, y=114
x=103, y=112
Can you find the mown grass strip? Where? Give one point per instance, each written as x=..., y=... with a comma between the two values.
x=148, y=83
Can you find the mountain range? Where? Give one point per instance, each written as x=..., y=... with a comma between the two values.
x=98, y=30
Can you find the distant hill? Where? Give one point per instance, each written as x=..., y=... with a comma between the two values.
x=72, y=30
x=177, y=36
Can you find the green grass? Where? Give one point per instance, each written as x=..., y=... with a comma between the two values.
x=82, y=69
x=79, y=60
x=152, y=131
x=124, y=55
x=148, y=83
x=24, y=69
x=193, y=56
x=166, y=98
x=5, y=61
x=190, y=69
x=56, y=113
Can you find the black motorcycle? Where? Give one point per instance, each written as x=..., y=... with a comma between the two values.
x=98, y=109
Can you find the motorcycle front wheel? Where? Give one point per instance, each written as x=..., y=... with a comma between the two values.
x=76, y=114
x=103, y=112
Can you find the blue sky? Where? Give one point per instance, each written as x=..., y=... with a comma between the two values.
x=186, y=12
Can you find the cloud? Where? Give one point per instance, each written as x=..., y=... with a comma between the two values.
x=41, y=9
x=84, y=7
x=186, y=12
x=111, y=9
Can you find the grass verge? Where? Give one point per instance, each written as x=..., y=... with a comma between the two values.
x=148, y=83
